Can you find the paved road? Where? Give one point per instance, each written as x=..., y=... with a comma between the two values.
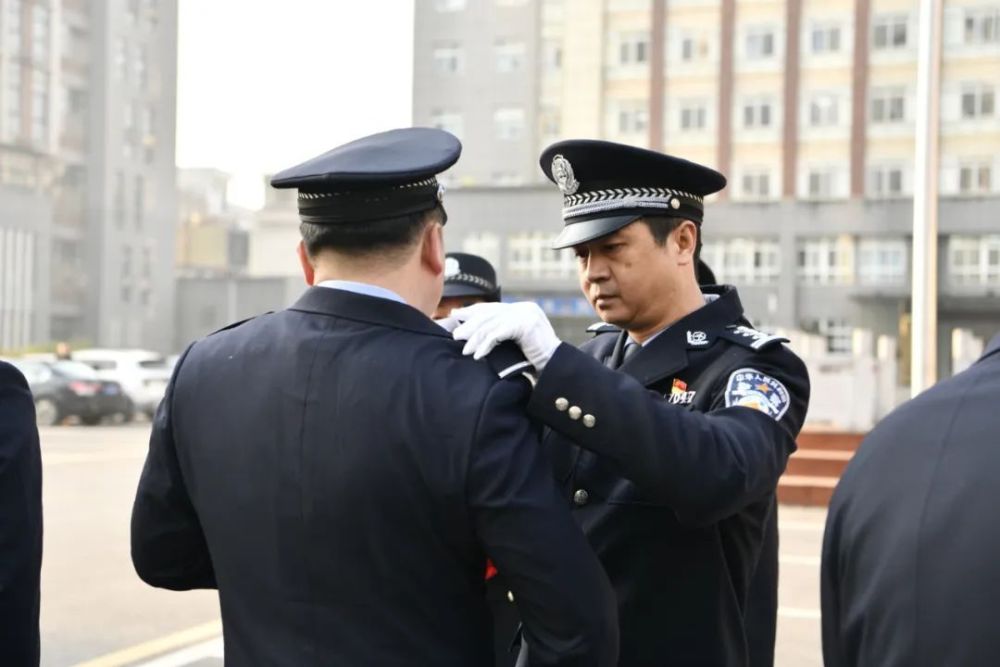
x=96, y=612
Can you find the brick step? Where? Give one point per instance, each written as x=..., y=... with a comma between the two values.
x=838, y=440
x=811, y=490
x=818, y=462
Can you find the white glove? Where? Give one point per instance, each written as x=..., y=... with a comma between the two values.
x=448, y=323
x=485, y=325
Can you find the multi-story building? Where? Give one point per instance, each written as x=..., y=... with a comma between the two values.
x=808, y=107
x=88, y=92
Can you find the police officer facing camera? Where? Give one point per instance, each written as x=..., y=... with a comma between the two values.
x=341, y=472
x=670, y=428
x=468, y=279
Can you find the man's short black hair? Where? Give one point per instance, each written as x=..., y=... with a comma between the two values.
x=374, y=237
x=661, y=226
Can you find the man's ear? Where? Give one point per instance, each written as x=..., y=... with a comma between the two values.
x=308, y=272
x=432, y=248
x=685, y=237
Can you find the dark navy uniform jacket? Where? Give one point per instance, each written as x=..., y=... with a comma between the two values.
x=20, y=521
x=911, y=553
x=672, y=464
x=340, y=472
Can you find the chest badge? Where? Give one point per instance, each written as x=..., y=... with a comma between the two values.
x=697, y=338
x=679, y=394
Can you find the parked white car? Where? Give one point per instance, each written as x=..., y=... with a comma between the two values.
x=142, y=374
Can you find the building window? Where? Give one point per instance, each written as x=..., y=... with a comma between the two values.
x=744, y=261
x=39, y=107
x=759, y=43
x=448, y=121
x=974, y=260
x=449, y=5
x=888, y=105
x=757, y=113
x=139, y=201
x=889, y=33
x=885, y=181
x=982, y=26
x=119, y=210
x=447, y=59
x=509, y=56
x=975, y=178
x=633, y=117
x=552, y=55
x=508, y=123
x=693, y=49
x=40, y=35
x=820, y=183
x=13, y=101
x=978, y=101
x=141, y=67
x=633, y=49
x=13, y=26
x=530, y=255
x=693, y=116
x=824, y=110
x=121, y=57
x=839, y=335
x=756, y=184
x=827, y=261
x=825, y=39
x=882, y=261
x=550, y=122
x=484, y=244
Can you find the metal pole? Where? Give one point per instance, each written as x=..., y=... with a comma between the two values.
x=923, y=361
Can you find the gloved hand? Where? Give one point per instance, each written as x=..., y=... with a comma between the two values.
x=448, y=323
x=485, y=325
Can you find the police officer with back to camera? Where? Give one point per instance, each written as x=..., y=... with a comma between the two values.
x=468, y=279
x=341, y=472
x=670, y=428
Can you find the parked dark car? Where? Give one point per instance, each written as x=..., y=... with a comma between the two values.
x=72, y=389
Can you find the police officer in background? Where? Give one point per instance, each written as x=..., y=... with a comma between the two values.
x=669, y=430
x=468, y=279
x=341, y=473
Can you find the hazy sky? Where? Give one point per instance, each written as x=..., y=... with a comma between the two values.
x=264, y=84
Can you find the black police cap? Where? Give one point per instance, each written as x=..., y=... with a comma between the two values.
x=384, y=175
x=606, y=186
x=469, y=275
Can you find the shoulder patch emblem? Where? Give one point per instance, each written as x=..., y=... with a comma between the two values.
x=751, y=338
x=750, y=388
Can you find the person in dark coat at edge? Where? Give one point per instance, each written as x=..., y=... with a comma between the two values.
x=669, y=430
x=341, y=473
x=911, y=555
x=20, y=521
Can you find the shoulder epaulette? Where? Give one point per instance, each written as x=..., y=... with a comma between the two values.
x=602, y=327
x=507, y=360
x=749, y=337
x=238, y=323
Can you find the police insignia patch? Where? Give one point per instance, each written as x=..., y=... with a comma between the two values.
x=750, y=388
x=451, y=267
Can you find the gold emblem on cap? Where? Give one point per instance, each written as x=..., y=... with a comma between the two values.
x=562, y=171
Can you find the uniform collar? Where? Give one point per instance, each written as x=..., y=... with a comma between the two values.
x=698, y=330
x=993, y=346
x=367, y=308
